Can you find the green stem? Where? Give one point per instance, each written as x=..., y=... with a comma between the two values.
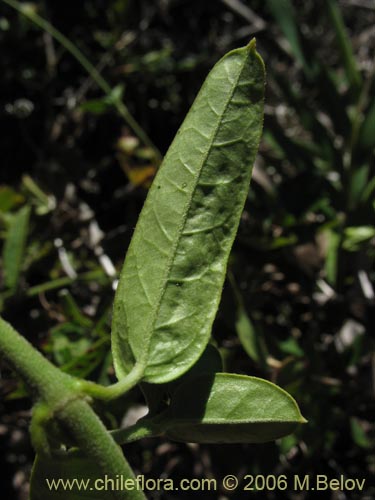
x=95, y=441
x=34, y=189
x=41, y=416
x=60, y=398
x=65, y=281
x=41, y=376
x=86, y=64
x=116, y=390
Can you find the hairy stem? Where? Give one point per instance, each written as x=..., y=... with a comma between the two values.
x=116, y=390
x=94, y=440
x=42, y=377
x=60, y=398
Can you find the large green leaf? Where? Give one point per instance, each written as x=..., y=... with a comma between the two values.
x=67, y=476
x=228, y=408
x=171, y=282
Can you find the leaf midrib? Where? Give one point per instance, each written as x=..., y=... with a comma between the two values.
x=156, y=310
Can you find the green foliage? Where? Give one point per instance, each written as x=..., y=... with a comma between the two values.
x=174, y=270
x=227, y=408
x=166, y=300
x=299, y=310
x=251, y=339
x=314, y=297
x=8, y=199
x=173, y=274
x=14, y=246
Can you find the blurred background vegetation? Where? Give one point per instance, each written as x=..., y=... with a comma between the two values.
x=92, y=92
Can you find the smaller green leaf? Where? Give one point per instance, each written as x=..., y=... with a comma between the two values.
x=359, y=180
x=68, y=342
x=287, y=443
x=14, y=246
x=72, y=310
x=290, y=346
x=246, y=334
x=359, y=435
x=104, y=104
x=61, y=468
x=9, y=198
x=368, y=193
x=96, y=106
x=228, y=408
x=251, y=339
x=44, y=203
x=332, y=256
x=116, y=94
x=355, y=236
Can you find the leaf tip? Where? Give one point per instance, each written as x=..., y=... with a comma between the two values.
x=251, y=48
x=252, y=45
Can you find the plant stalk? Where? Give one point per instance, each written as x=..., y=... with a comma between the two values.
x=45, y=380
x=62, y=397
x=95, y=441
x=113, y=391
